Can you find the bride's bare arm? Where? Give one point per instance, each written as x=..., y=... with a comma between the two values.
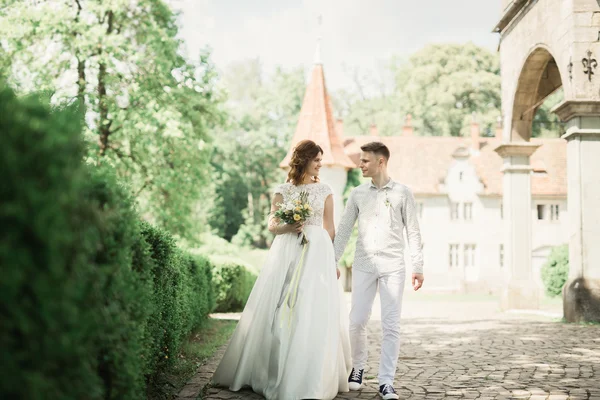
x=328, y=222
x=328, y=217
x=274, y=223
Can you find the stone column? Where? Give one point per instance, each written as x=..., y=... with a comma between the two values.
x=520, y=290
x=581, y=294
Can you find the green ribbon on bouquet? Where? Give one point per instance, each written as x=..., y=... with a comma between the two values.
x=293, y=288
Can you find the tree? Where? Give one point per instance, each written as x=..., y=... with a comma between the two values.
x=443, y=85
x=555, y=271
x=262, y=116
x=372, y=100
x=545, y=123
x=148, y=109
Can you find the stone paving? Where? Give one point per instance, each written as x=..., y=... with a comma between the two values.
x=469, y=349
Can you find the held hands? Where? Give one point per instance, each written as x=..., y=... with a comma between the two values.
x=338, y=272
x=417, y=281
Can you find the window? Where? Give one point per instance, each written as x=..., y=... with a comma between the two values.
x=541, y=212
x=469, y=255
x=420, y=209
x=549, y=212
x=468, y=211
x=453, y=211
x=453, y=255
x=554, y=212
x=501, y=254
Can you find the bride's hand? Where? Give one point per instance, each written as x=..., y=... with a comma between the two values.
x=297, y=227
x=290, y=228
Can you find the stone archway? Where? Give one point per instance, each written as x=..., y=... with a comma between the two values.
x=545, y=44
x=539, y=78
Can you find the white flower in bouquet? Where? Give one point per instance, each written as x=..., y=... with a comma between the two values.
x=294, y=211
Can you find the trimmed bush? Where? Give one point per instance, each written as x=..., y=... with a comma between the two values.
x=182, y=299
x=48, y=323
x=253, y=258
x=123, y=289
x=556, y=270
x=233, y=281
x=94, y=303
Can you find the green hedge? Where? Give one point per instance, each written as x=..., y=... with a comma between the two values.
x=94, y=303
x=556, y=270
x=233, y=281
x=183, y=296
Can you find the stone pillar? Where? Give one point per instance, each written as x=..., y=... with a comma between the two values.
x=581, y=294
x=520, y=291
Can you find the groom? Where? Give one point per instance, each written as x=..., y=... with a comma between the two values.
x=384, y=208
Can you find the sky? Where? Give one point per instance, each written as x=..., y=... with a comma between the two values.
x=356, y=34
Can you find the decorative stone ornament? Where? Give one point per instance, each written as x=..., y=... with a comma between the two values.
x=589, y=65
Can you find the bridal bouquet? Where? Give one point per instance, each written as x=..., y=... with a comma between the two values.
x=294, y=211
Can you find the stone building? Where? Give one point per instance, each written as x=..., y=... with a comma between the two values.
x=458, y=185
x=545, y=45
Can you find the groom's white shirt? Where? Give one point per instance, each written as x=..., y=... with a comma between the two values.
x=382, y=215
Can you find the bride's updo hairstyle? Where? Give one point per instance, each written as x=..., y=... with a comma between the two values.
x=304, y=153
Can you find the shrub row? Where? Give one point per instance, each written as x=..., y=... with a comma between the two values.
x=95, y=303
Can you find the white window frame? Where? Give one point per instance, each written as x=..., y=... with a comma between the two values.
x=467, y=216
x=454, y=208
x=554, y=212
x=420, y=207
x=469, y=255
x=453, y=255
x=548, y=212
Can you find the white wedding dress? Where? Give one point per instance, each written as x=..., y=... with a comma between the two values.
x=298, y=352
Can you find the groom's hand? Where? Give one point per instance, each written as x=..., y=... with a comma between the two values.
x=417, y=281
x=338, y=272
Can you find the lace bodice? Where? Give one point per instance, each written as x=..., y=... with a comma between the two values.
x=317, y=194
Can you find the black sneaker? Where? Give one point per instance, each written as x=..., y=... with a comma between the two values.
x=355, y=379
x=387, y=392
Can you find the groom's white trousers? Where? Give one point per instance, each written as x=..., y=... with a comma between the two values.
x=364, y=288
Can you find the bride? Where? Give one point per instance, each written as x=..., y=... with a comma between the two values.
x=292, y=339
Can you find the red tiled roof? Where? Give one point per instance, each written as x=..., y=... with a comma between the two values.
x=422, y=163
x=316, y=123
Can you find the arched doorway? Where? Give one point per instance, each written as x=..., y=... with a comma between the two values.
x=538, y=78
x=539, y=39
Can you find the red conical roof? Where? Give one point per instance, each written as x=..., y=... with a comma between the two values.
x=316, y=123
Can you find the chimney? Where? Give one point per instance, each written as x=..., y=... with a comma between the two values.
x=474, y=133
x=339, y=127
x=373, y=130
x=407, y=129
x=499, y=128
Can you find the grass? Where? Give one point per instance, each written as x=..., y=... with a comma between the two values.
x=200, y=347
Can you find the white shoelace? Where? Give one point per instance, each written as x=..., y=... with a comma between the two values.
x=355, y=375
x=388, y=388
